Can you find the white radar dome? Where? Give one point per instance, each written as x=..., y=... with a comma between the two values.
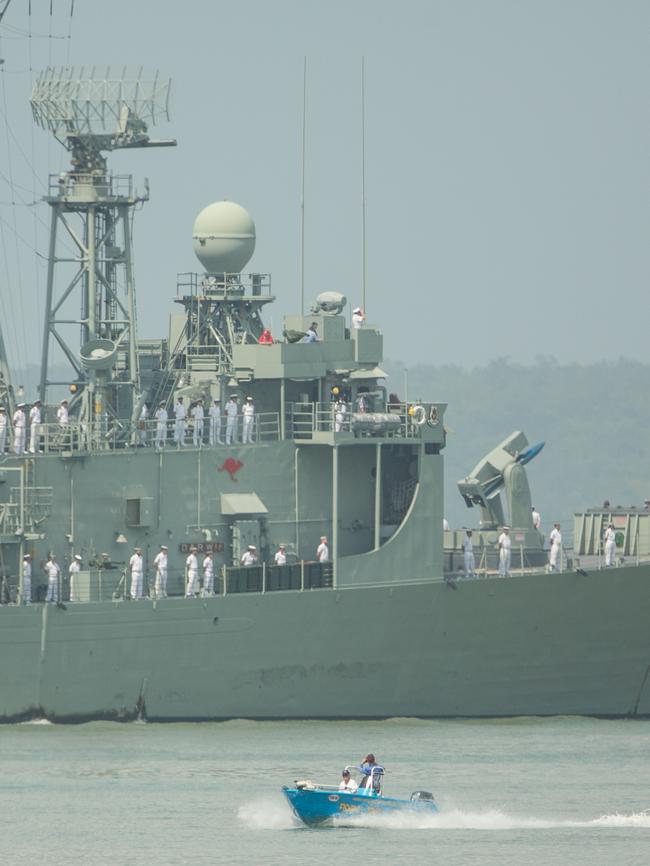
x=224, y=238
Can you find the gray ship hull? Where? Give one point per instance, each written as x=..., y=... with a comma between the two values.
x=526, y=645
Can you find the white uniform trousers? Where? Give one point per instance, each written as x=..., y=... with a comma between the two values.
x=161, y=434
x=504, y=562
x=192, y=583
x=19, y=440
x=136, y=584
x=231, y=429
x=161, y=583
x=610, y=553
x=3, y=440
x=470, y=564
x=215, y=430
x=52, y=589
x=554, y=557
x=198, y=432
x=208, y=585
x=34, y=438
x=27, y=590
x=179, y=432
x=247, y=431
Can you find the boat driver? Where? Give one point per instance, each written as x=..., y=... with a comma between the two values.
x=347, y=782
x=366, y=767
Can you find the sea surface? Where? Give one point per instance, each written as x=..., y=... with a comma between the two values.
x=522, y=791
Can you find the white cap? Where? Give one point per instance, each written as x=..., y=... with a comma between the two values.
x=356, y=310
x=164, y=547
x=76, y=556
x=252, y=547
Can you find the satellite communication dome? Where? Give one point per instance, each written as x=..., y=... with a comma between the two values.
x=224, y=238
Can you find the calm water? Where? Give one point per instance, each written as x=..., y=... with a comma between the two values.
x=560, y=791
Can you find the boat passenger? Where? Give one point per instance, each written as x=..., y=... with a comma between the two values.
x=347, y=783
x=369, y=777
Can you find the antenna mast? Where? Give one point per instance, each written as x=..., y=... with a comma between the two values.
x=93, y=208
x=302, y=190
x=363, y=184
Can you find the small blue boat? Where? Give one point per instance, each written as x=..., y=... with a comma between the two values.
x=315, y=804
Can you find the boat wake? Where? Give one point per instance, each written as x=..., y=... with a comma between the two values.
x=491, y=819
x=272, y=814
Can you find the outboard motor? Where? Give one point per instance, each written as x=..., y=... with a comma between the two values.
x=422, y=795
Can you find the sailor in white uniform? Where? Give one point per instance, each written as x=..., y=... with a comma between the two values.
x=142, y=425
x=445, y=524
x=555, y=540
x=610, y=546
x=179, y=425
x=63, y=418
x=231, y=419
x=358, y=318
x=340, y=411
x=248, y=411
x=52, y=571
x=73, y=571
x=537, y=519
x=4, y=423
x=192, y=571
x=505, y=544
x=280, y=557
x=468, y=554
x=208, y=575
x=26, y=597
x=161, y=425
x=160, y=564
x=19, y=421
x=323, y=551
x=35, y=428
x=198, y=415
x=249, y=556
x=136, y=564
x=215, y=422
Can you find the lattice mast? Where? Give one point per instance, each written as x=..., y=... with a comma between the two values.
x=90, y=304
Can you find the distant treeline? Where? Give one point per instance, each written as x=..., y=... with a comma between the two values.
x=594, y=419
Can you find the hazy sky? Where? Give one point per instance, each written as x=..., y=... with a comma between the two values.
x=508, y=162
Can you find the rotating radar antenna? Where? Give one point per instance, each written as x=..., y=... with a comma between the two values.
x=92, y=209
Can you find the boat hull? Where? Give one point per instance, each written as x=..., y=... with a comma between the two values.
x=315, y=807
x=527, y=645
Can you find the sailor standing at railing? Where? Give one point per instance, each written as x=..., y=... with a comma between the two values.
x=468, y=554
x=161, y=425
x=505, y=545
x=248, y=411
x=280, y=557
x=160, y=564
x=63, y=418
x=19, y=421
x=215, y=422
x=52, y=570
x=231, y=419
x=323, y=551
x=179, y=425
x=4, y=421
x=35, y=428
x=555, y=540
x=610, y=546
x=142, y=425
x=340, y=411
x=208, y=575
x=198, y=415
x=26, y=597
x=73, y=571
x=192, y=573
x=136, y=564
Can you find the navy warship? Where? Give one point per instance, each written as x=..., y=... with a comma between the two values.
x=358, y=617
